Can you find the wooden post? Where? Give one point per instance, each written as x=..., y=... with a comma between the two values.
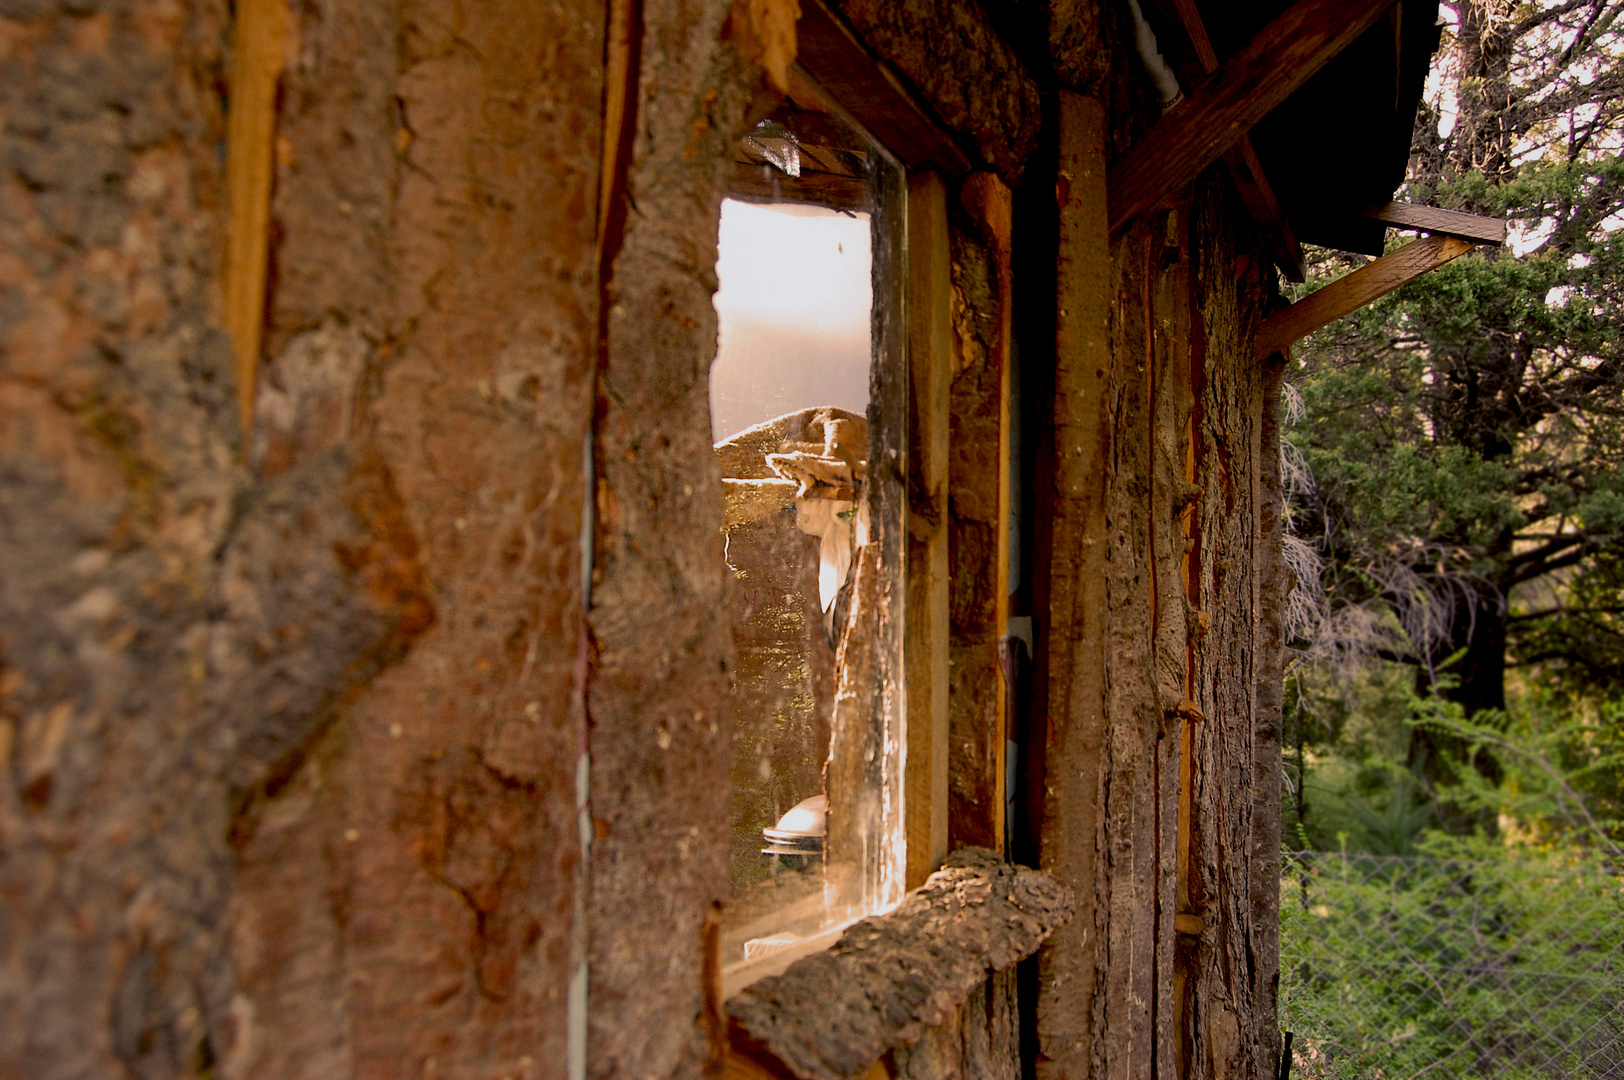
x=1370, y=282
x=259, y=53
x=979, y=538
x=930, y=362
x=1073, y=626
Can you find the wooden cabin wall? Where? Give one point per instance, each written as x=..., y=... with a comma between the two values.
x=1160, y=589
x=410, y=896
x=658, y=670
x=293, y=716
x=1161, y=737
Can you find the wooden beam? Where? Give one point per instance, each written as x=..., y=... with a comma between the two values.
x=1243, y=90
x=832, y=1013
x=834, y=66
x=925, y=646
x=1258, y=196
x=1370, y=282
x=1439, y=222
x=1189, y=50
x=1066, y=744
x=259, y=49
x=761, y=184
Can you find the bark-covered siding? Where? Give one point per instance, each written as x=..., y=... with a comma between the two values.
x=434, y=297
x=1165, y=977
x=117, y=489
x=657, y=691
x=290, y=747
x=1235, y=842
x=295, y=722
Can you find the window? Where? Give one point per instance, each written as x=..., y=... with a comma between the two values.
x=808, y=410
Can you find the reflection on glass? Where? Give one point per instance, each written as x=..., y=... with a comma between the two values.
x=790, y=404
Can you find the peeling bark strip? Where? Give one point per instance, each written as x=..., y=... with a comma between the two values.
x=890, y=978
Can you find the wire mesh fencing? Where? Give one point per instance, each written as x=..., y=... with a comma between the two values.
x=1509, y=967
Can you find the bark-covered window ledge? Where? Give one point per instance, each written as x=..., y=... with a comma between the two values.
x=889, y=979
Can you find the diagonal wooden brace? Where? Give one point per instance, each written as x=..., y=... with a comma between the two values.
x=1370, y=282
x=1245, y=89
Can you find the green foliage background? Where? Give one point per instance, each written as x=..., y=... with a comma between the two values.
x=1455, y=464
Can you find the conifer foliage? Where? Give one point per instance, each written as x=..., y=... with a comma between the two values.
x=1461, y=442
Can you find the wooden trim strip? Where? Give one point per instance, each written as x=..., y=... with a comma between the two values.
x=930, y=370
x=1244, y=89
x=1368, y=283
x=259, y=53
x=1067, y=741
x=1440, y=222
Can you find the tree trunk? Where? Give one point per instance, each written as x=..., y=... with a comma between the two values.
x=1476, y=681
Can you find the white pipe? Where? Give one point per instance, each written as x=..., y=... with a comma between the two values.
x=1167, y=84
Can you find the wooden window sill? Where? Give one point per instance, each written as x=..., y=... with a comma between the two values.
x=889, y=978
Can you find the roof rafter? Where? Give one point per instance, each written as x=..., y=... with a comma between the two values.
x=1244, y=89
x=1189, y=51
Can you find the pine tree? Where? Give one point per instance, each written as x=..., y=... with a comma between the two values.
x=1465, y=435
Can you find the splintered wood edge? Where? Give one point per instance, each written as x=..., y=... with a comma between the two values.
x=258, y=57
x=832, y=1015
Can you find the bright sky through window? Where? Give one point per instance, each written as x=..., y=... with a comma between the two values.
x=794, y=301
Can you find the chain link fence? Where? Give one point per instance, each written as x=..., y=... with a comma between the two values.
x=1509, y=967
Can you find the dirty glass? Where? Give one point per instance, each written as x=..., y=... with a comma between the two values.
x=808, y=417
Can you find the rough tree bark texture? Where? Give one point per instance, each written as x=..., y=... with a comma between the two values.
x=435, y=297
x=984, y=93
x=233, y=839
x=1235, y=843
x=657, y=690
x=117, y=439
x=1123, y=636
x=905, y=981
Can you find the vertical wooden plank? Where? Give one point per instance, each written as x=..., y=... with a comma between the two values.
x=259, y=51
x=1128, y=893
x=1073, y=630
x=979, y=512
x=1274, y=582
x=1234, y=842
x=1170, y=492
x=926, y=646
x=1189, y=378
x=990, y=202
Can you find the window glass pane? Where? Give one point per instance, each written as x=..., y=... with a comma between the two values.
x=805, y=358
